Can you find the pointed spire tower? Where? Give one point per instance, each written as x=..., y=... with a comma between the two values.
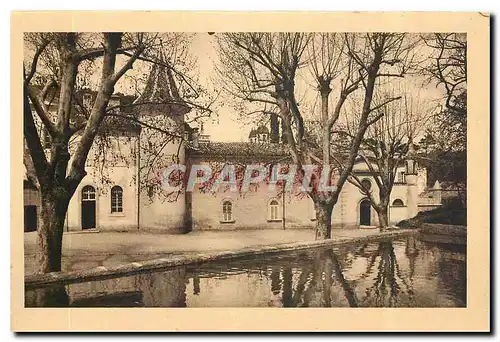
x=160, y=106
x=161, y=94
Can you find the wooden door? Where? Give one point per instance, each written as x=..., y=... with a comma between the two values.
x=365, y=213
x=88, y=207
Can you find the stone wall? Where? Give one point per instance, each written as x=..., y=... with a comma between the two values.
x=252, y=209
x=443, y=229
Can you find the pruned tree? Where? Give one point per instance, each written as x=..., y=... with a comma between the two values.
x=266, y=68
x=386, y=146
x=60, y=130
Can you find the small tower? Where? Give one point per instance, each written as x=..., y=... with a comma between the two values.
x=160, y=106
x=411, y=182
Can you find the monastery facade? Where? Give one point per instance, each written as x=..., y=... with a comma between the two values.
x=121, y=194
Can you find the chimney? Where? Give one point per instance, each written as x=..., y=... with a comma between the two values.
x=195, y=138
x=274, y=128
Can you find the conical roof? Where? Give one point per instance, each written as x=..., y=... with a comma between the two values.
x=161, y=95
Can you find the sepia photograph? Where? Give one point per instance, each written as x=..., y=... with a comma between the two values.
x=245, y=169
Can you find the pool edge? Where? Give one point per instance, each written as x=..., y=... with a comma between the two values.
x=101, y=272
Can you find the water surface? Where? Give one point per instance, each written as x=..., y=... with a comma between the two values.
x=405, y=272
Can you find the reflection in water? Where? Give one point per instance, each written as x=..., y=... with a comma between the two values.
x=287, y=298
x=389, y=285
x=55, y=296
x=275, y=280
x=196, y=284
x=400, y=273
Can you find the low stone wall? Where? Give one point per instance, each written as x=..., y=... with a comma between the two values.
x=101, y=272
x=443, y=239
x=444, y=229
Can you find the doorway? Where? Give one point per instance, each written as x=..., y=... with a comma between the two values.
x=88, y=207
x=30, y=218
x=365, y=213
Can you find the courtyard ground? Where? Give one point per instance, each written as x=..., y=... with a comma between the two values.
x=109, y=249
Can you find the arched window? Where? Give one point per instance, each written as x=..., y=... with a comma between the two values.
x=116, y=199
x=398, y=203
x=274, y=210
x=227, y=211
x=88, y=193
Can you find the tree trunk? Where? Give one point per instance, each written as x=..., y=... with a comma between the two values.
x=323, y=220
x=383, y=217
x=49, y=240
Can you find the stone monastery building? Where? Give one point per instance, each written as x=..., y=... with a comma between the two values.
x=121, y=195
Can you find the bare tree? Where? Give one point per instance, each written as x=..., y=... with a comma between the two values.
x=387, y=144
x=447, y=137
x=59, y=65
x=263, y=68
x=449, y=66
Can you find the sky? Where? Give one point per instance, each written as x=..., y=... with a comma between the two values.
x=224, y=126
x=227, y=124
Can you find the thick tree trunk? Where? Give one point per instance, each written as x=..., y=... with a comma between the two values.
x=383, y=217
x=323, y=221
x=49, y=240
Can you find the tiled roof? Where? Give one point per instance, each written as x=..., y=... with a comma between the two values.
x=239, y=150
x=119, y=126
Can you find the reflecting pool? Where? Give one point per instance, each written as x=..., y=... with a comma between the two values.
x=405, y=272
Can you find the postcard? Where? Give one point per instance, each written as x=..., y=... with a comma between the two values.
x=250, y=171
